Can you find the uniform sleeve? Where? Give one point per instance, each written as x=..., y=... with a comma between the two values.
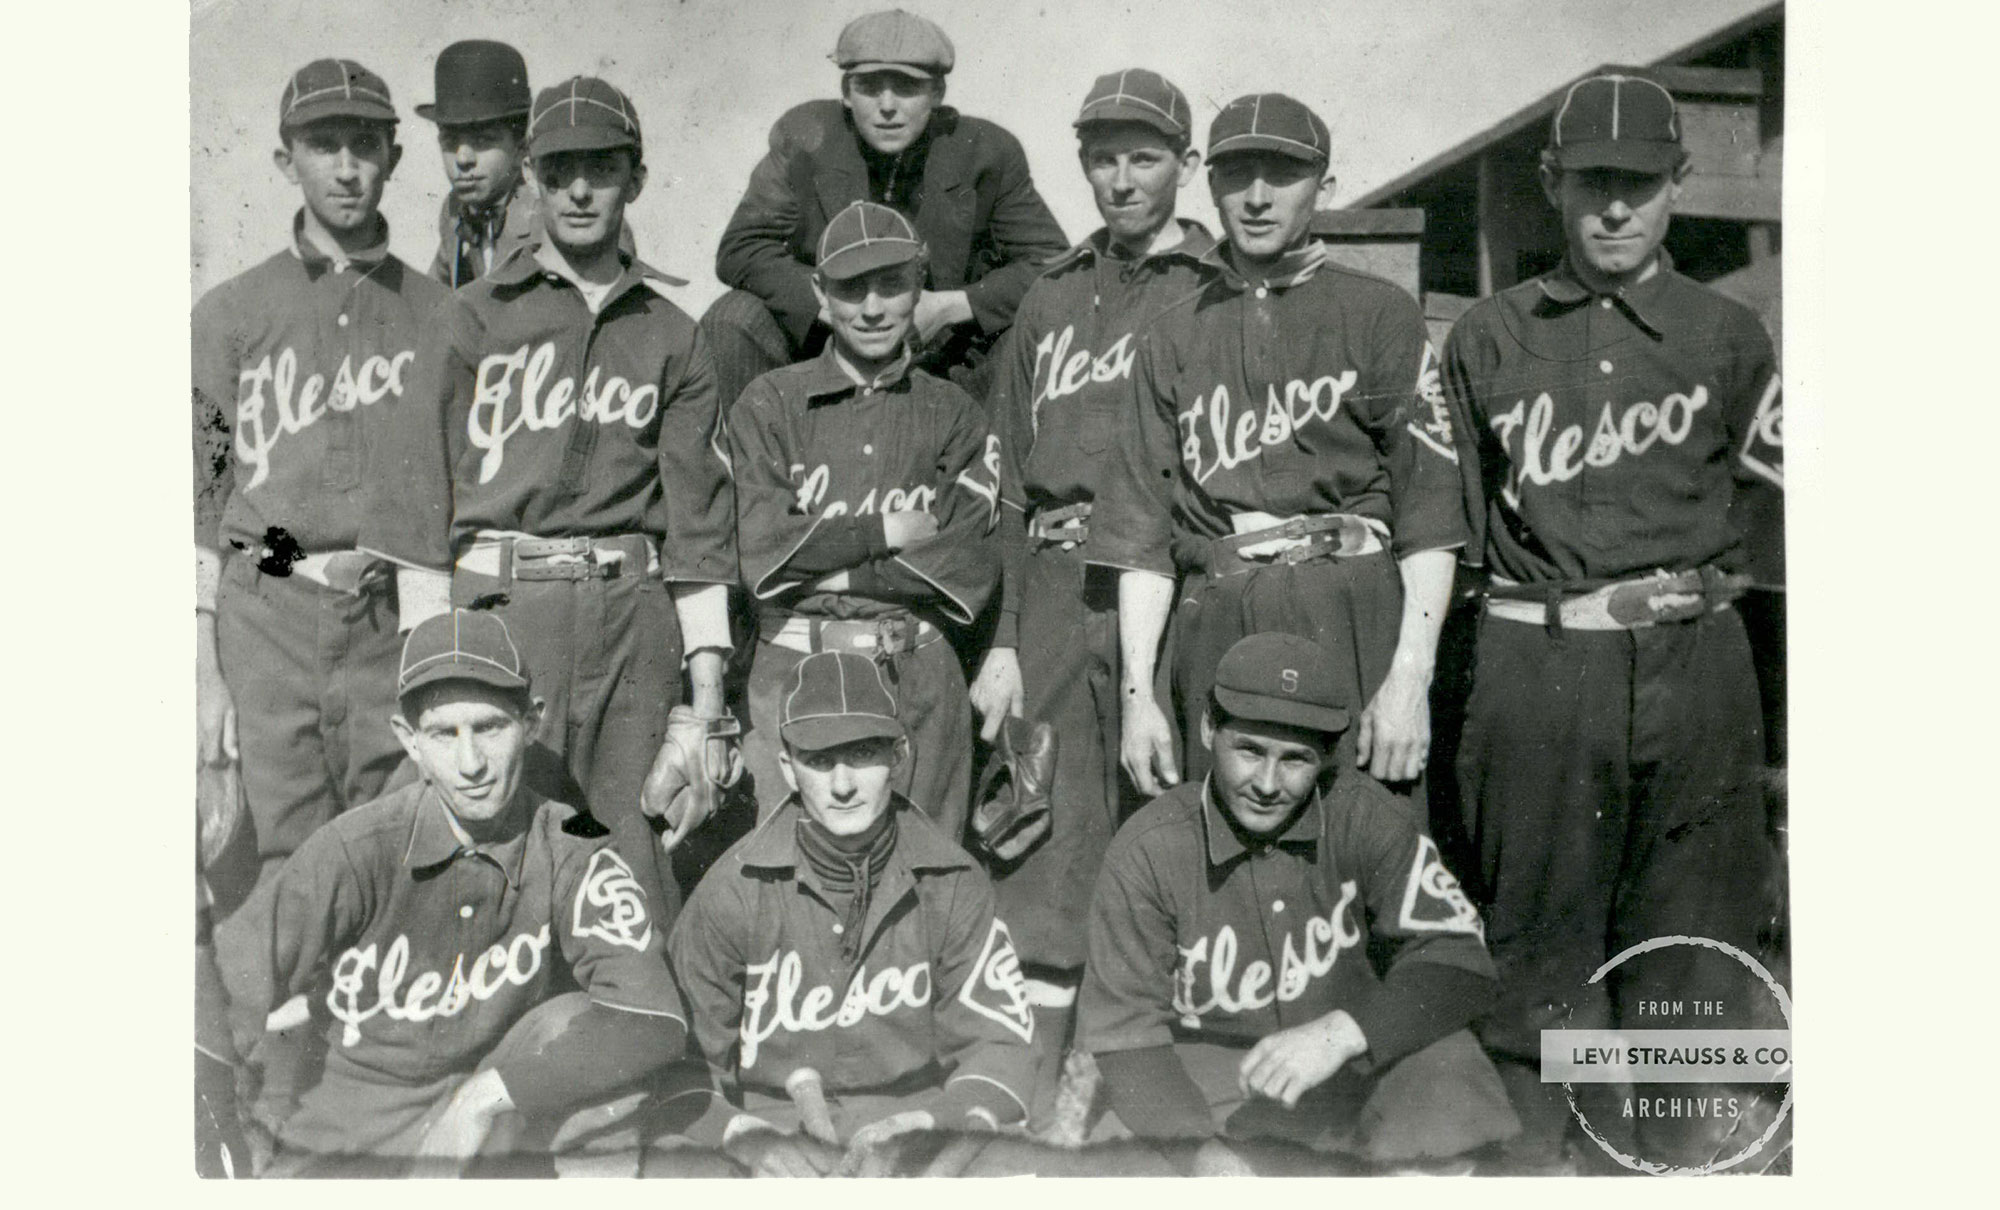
x=408, y=516
x=1008, y=403
x=1756, y=419
x=980, y=1013
x=215, y=369
x=320, y=906
x=1126, y=1002
x=703, y=951
x=1467, y=361
x=756, y=252
x=1131, y=523
x=1021, y=235
x=695, y=470
x=1413, y=432
x=956, y=565
x=770, y=528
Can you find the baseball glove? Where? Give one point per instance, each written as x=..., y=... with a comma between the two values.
x=1011, y=811
x=697, y=762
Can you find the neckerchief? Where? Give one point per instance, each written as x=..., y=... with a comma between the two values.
x=849, y=867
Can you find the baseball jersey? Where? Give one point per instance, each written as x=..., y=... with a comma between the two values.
x=1620, y=433
x=1194, y=936
x=1061, y=395
x=1314, y=391
x=819, y=457
x=936, y=1000
x=300, y=367
x=533, y=415
x=424, y=951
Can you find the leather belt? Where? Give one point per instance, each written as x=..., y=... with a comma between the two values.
x=1314, y=536
x=523, y=557
x=1624, y=605
x=1063, y=526
x=884, y=636
x=348, y=571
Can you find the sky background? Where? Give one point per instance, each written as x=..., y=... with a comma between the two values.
x=1396, y=80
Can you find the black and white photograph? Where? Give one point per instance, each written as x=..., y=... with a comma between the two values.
x=988, y=589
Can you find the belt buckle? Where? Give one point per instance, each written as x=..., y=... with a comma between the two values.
x=893, y=635
x=1655, y=599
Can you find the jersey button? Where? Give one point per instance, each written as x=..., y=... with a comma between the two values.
x=465, y=913
x=838, y=928
x=1277, y=905
x=1605, y=303
x=342, y=321
x=1604, y=366
x=1262, y=292
x=868, y=449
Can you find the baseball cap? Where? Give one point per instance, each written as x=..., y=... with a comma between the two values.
x=1281, y=678
x=863, y=237
x=1617, y=121
x=895, y=41
x=334, y=88
x=583, y=113
x=478, y=81
x=1137, y=95
x=837, y=697
x=463, y=645
x=1269, y=121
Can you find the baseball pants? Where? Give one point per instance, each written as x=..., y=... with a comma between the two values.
x=1610, y=785
x=605, y=657
x=1353, y=607
x=931, y=703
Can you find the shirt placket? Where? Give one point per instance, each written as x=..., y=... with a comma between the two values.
x=572, y=479
x=341, y=470
x=1269, y=905
x=474, y=898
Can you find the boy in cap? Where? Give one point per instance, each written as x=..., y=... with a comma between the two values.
x=566, y=469
x=299, y=367
x=845, y=967
x=1059, y=402
x=437, y=929
x=962, y=181
x=865, y=491
x=1631, y=446
x=1230, y=988
x=1296, y=463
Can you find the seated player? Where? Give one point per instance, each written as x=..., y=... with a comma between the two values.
x=1229, y=988
x=848, y=947
x=442, y=932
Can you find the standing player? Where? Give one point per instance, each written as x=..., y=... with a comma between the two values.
x=1297, y=464
x=1059, y=404
x=438, y=926
x=962, y=181
x=849, y=946
x=866, y=489
x=565, y=462
x=1230, y=988
x=1630, y=439
x=300, y=366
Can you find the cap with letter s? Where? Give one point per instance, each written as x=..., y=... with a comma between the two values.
x=1281, y=678
x=583, y=113
x=1615, y=120
x=894, y=41
x=837, y=697
x=334, y=88
x=864, y=237
x=1269, y=121
x=463, y=645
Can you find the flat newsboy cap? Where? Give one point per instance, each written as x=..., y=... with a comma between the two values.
x=895, y=41
x=478, y=81
x=1269, y=121
x=1281, y=678
x=583, y=113
x=463, y=645
x=837, y=697
x=334, y=88
x=1617, y=121
x=1137, y=95
x=864, y=237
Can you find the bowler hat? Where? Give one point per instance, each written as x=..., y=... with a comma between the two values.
x=478, y=81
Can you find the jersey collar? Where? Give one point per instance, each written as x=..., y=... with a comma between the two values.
x=1225, y=843
x=773, y=847
x=1195, y=244
x=1562, y=290
x=434, y=843
x=1294, y=268
x=318, y=262
x=522, y=266
x=830, y=375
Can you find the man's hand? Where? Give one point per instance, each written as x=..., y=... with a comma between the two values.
x=458, y=1133
x=214, y=717
x=861, y=1159
x=938, y=310
x=766, y=1152
x=1394, y=742
x=698, y=759
x=1284, y=1065
x=1146, y=746
x=996, y=691
x=905, y=527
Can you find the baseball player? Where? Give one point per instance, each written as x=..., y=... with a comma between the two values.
x=438, y=927
x=865, y=491
x=1059, y=402
x=1630, y=441
x=962, y=181
x=566, y=466
x=847, y=974
x=300, y=365
x=1230, y=988
x=1298, y=464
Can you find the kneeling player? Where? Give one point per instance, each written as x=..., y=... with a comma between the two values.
x=1229, y=988
x=846, y=945
x=440, y=926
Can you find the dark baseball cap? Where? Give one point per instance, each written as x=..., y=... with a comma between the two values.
x=863, y=237
x=1617, y=121
x=478, y=81
x=463, y=645
x=894, y=41
x=1281, y=678
x=583, y=113
x=334, y=88
x=837, y=697
x=1269, y=121
x=1137, y=95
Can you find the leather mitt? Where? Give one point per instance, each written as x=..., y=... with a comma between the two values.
x=1010, y=814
